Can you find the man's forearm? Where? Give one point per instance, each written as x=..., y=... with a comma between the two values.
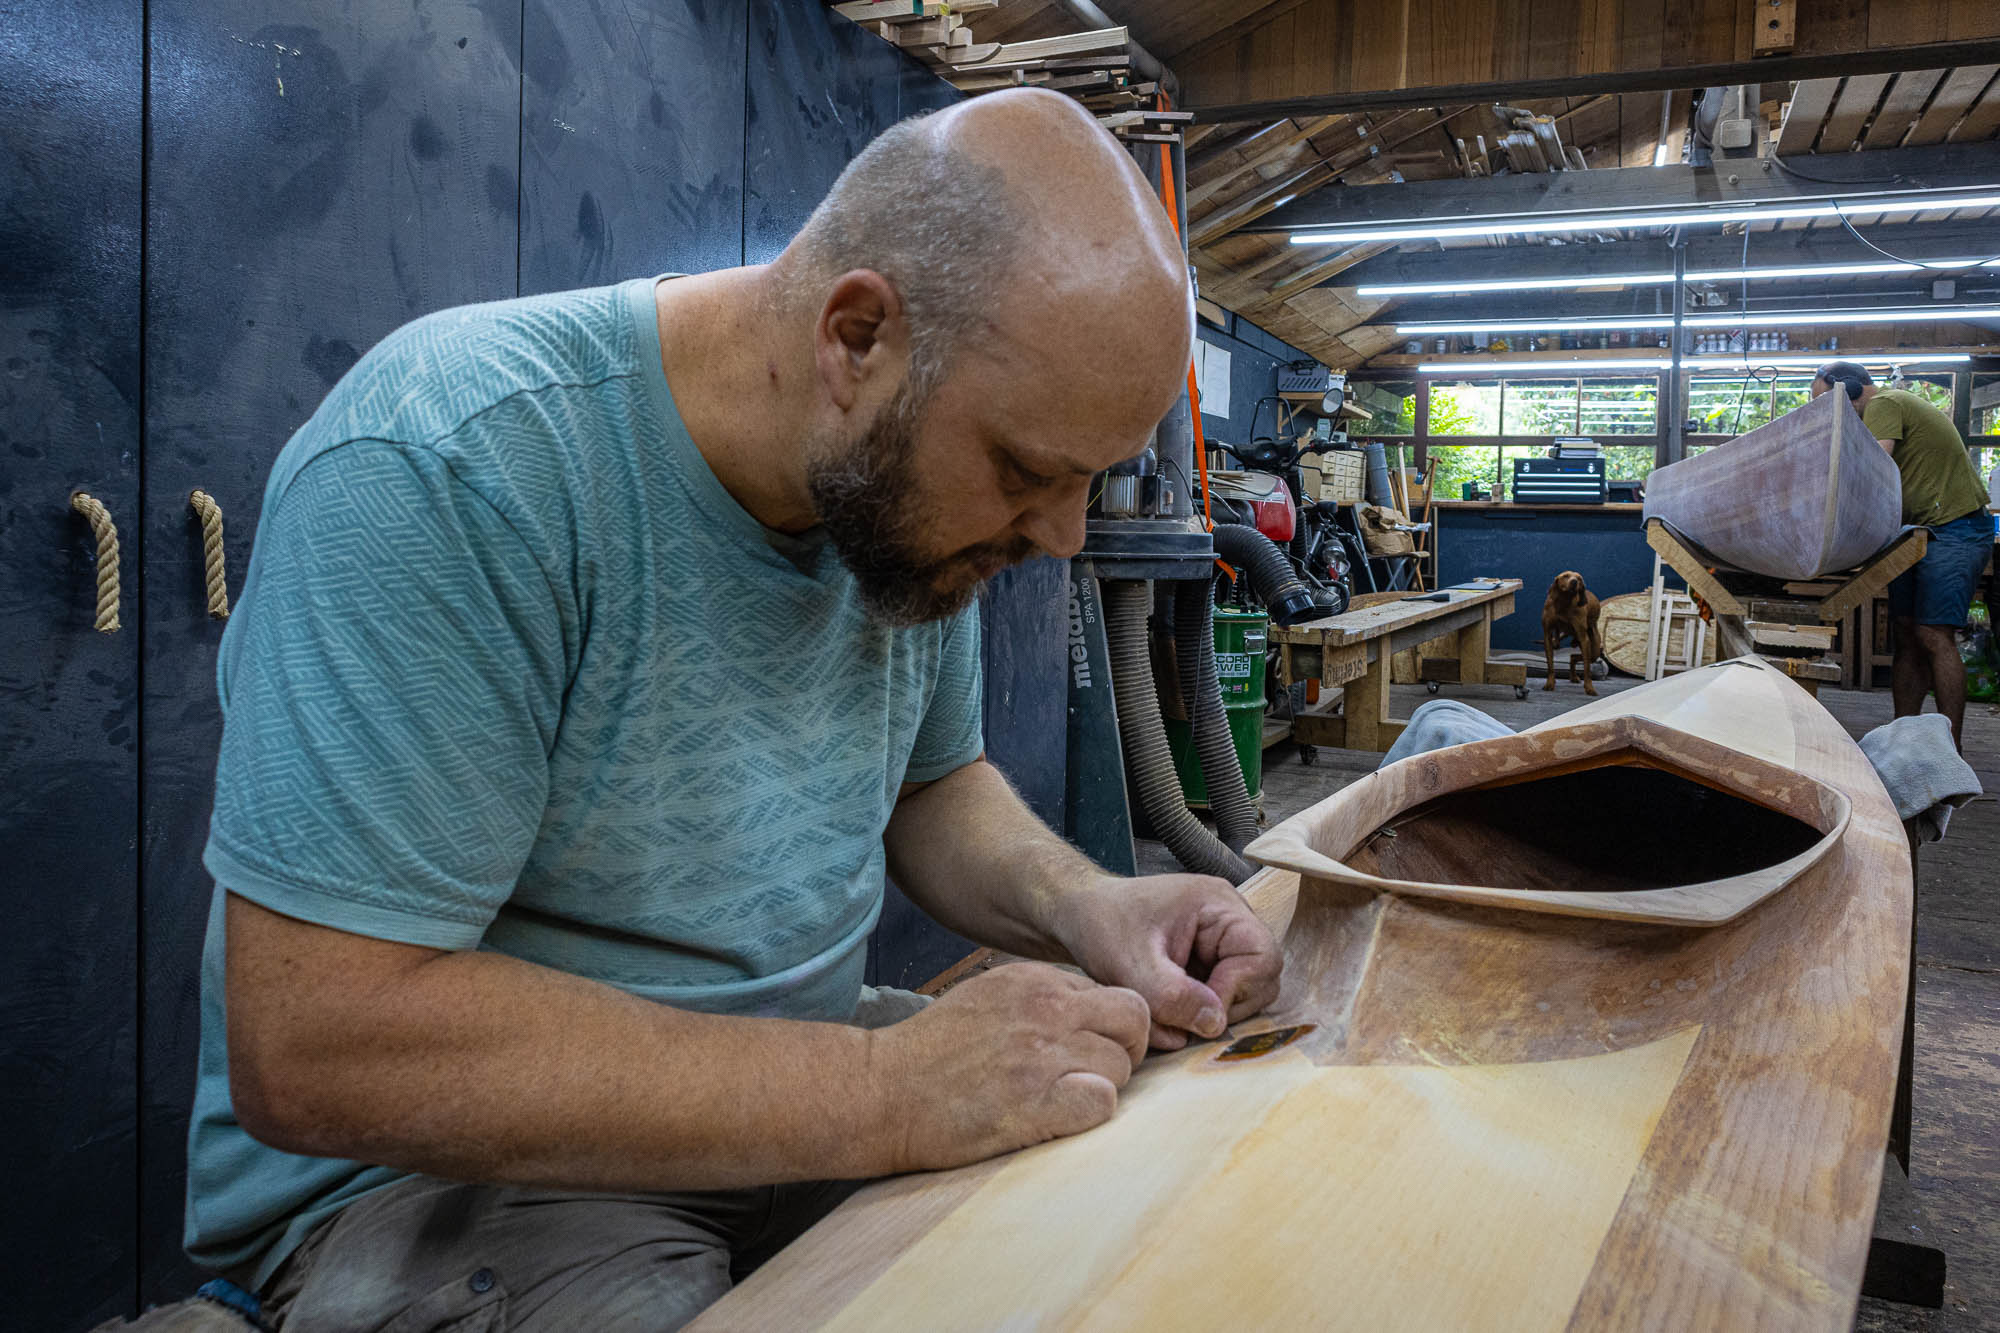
x=477, y=1066
x=969, y=852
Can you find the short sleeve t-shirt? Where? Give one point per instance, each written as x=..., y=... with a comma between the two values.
x=1939, y=481
x=512, y=670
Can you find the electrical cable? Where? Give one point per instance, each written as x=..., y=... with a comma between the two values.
x=1841, y=213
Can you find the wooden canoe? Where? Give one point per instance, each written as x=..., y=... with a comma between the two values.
x=1504, y=1118
x=1808, y=494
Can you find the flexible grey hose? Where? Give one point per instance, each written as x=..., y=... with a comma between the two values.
x=1221, y=770
x=1149, y=765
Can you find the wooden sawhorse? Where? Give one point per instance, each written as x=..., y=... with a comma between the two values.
x=1753, y=608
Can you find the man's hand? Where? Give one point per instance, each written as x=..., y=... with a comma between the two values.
x=1188, y=944
x=1012, y=1057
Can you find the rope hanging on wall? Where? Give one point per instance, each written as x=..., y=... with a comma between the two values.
x=107, y=557
x=210, y=514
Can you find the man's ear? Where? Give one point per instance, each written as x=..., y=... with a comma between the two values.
x=861, y=334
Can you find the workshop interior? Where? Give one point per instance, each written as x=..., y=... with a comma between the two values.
x=1559, y=601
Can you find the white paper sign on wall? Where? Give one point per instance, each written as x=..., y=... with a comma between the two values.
x=1211, y=378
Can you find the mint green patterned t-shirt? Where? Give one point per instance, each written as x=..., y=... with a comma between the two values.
x=511, y=670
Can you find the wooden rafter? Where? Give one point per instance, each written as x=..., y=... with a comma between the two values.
x=1267, y=152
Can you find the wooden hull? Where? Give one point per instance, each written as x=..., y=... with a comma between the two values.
x=1811, y=493
x=1503, y=1119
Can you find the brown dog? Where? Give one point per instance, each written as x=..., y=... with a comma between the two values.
x=1571, y=610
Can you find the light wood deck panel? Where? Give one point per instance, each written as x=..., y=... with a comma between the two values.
x=1520, y=1051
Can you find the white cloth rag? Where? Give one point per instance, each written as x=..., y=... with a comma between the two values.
x=1442, y=722
x=1922, y=771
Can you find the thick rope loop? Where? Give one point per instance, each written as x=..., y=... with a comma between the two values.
x=210, y=514
x=107, y=557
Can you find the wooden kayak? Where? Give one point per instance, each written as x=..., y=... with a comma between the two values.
x=1808, y=494
x=1537, y=1092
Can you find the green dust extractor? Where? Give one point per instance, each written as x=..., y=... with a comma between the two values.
x=1239, y=667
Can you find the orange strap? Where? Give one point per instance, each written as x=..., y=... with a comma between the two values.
x=1194, y=394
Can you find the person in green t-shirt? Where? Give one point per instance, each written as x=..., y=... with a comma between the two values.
x=1942, y=492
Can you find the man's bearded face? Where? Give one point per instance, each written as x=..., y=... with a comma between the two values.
x=866, y=495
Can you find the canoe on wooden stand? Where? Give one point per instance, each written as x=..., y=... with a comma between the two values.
x=1605, y=1027
x=1808, y=494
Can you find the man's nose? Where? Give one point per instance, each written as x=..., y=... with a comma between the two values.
x=1056, y=526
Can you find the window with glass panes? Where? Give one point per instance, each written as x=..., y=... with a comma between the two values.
x=1507, y=418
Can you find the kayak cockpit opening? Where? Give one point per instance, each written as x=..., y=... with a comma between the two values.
x=1625, y=824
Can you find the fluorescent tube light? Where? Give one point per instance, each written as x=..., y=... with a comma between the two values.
x=1758, y=321
x=1747, y=360
x=1711, y=216
x=1752, y=361
x=1639, y=279
x=1481, y=369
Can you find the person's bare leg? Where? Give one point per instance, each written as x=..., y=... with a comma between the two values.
x=1947, y=672
x=1909, y=669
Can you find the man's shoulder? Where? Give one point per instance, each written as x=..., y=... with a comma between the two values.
x=433, y=375
x=1887, y=408
x=435, y=381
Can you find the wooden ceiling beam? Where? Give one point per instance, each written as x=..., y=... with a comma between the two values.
x=1875, y=60
x=1241, y=213
x=1851, y=177
x=1267, y=153
x=1195, y=50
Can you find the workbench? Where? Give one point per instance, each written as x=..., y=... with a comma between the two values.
x=1353, y=653
x=1778, y=619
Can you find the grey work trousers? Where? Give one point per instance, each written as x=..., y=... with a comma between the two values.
x=427, y=1254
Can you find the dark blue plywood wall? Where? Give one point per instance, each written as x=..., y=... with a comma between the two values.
x=631, y=140
x=70, y=163
x=313, y=184
x=1607, y=547
x=172, y=310
x=1254, y=359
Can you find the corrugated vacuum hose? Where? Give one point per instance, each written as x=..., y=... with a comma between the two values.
x=1201, y=691
x=1149, y=766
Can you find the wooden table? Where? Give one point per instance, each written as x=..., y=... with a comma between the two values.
x=1353, y=652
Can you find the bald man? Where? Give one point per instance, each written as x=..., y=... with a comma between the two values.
x=598, y=653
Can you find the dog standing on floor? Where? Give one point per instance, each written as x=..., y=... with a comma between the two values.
x=1571, y=610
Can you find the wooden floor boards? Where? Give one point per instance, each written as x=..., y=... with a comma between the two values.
x=1956, y=1154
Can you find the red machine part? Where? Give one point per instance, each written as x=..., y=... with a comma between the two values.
x=1277, y=517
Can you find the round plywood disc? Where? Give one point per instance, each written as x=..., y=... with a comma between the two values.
x=1621, y=622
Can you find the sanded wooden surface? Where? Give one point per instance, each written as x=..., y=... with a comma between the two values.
x=1804, y=495
x=1383, y=618
x=1436, y=1169
x=1519, y=1053
x=1622, y=621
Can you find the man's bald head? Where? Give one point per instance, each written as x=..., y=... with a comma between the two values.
x=1006, y=210
x=999, y=310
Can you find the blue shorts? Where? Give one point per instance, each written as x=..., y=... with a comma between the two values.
x=1939, y=589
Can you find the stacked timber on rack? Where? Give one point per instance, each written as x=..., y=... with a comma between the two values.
x=1095, y=68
